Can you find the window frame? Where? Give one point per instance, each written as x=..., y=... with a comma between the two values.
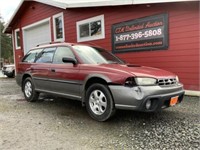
x=88, y=21
x=54, y=27
x=16, y=41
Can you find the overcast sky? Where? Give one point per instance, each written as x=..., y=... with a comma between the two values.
x=7, y=8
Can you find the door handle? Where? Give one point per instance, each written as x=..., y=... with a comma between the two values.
x=53, y=70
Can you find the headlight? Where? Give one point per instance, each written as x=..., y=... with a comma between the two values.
x=146, y=81
x=177, y=79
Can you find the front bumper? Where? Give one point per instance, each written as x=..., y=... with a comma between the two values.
x=7, y=73
x=135, y=98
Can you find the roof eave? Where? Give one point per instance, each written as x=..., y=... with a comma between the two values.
x=8, y=29
x=159, y=1
x=99, y=4
x=102, y=3
x=62, y=5
x=53, y=3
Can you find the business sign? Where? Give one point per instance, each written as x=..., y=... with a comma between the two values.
x=149, y=33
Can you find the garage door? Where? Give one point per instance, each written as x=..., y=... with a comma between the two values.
x=35, y=35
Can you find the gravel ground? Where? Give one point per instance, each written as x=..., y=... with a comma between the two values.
x=60, y=124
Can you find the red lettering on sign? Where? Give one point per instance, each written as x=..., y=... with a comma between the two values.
x=153, y=24
x=134, y=27
x=119, y=30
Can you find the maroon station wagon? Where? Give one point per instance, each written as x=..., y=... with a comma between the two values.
x=97, y=78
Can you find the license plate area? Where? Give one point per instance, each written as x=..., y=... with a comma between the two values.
x=173, y=101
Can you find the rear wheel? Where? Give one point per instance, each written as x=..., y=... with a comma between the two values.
x=29, y=90
x=99, y=102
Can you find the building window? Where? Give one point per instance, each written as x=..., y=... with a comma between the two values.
x=90, y=29
x=17, y=39
x=58, y=25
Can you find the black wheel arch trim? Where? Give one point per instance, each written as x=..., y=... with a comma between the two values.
x=89, y=77
x=23, y=77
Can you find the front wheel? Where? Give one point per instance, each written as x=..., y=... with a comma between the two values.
x=99, y=102
x=29, y=90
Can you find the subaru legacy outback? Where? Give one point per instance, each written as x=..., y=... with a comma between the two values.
x=97, y=78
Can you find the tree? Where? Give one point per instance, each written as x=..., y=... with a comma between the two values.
x=6, y=50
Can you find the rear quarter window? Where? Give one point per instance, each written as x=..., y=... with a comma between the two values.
x=46, y=56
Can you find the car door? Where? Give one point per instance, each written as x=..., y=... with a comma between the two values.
x=64, y=77
x=41, y=69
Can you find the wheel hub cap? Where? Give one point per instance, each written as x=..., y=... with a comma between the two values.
x=98, y=102
x=28, y=89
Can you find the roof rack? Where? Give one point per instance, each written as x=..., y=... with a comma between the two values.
x=92, y=44
x=48, y=43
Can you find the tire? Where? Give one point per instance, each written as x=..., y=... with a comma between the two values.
x=12, y=75
x=29, y=90
x=99, y=102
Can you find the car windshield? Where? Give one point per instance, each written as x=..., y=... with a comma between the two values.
x=94, y=55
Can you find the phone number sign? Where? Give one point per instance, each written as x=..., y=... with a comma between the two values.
x=149, y=33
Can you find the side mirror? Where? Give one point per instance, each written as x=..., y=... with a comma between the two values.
x=69, y=60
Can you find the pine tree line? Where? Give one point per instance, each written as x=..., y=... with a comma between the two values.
x=6, y=48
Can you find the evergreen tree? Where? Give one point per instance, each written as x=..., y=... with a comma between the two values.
x=6, y=49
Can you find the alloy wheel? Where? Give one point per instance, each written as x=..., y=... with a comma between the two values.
x=98, y=102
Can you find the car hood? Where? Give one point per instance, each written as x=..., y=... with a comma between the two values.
x=140, y=71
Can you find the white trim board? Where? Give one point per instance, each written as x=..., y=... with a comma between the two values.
x=88, y=21
x=54, y=27
x=36, y=23
x=192, y=93
x=15, y=37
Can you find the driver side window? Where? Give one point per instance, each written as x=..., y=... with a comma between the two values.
x=62, y=52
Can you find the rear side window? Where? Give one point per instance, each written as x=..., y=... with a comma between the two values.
x=31, y=56
x=62, y=52
x=46, y=56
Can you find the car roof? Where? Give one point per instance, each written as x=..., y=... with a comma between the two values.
x=43, y=45
x=59, y=44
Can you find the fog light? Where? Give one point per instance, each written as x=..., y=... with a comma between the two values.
x=148, y=104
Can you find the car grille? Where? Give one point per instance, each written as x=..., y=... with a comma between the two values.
x=167, y=82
